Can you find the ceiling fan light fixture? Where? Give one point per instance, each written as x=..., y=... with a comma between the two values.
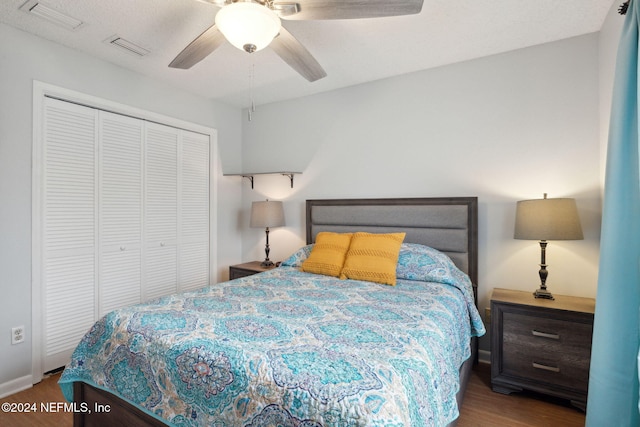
x=248, y=26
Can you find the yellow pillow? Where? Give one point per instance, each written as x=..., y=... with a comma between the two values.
x=373, y=257
x=328, y=253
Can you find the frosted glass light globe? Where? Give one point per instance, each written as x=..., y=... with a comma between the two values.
x=248, y=26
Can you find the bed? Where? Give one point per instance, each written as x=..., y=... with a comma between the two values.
x=291, y=348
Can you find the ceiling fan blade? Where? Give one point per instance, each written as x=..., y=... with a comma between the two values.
x=353, y=9
x=297, y=56
x=219, y=3
x=199, y=48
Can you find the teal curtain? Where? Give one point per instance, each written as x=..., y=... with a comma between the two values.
x=613, y=383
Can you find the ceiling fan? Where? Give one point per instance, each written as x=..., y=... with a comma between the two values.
x=252, y=25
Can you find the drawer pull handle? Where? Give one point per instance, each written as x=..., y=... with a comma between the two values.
x=545, y=335
x=545, y=367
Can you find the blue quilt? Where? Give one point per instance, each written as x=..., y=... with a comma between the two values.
x=289, y=348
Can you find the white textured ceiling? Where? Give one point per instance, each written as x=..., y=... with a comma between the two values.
x=350, y=51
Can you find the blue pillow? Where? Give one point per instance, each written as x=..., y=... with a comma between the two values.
x=425, y=264
x=298, y=257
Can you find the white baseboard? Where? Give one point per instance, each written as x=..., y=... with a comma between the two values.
x=484, y=356
x=14, y=386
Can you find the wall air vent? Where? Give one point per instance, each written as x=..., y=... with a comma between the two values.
x=37, y=8
x=127, y=46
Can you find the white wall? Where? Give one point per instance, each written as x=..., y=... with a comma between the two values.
x=25, y=58
x=503, y=128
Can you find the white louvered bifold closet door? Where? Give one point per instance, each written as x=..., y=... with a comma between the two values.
x=161, y=210
x=69, y=228
x=120, y=207
x=125, y=218
x=194, y=211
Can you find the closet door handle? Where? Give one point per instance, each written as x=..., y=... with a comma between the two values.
x=545, y=367
x=123, y=248
x=161, y=243
x=545, y=335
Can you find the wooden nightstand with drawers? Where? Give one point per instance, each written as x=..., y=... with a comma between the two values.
x=246, y=269
x=541, y=345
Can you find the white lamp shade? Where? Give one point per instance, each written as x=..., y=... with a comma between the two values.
x=547, y=219
x=248, y=23
x=267, y=214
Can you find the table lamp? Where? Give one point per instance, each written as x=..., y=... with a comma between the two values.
x=267, y=214
x=547, y=219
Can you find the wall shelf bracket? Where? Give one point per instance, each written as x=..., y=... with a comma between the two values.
x=290, y=175
x=251, y=176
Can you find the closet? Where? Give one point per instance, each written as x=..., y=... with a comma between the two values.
x=124, y=217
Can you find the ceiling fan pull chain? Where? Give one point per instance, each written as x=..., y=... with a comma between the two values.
x=252, y=109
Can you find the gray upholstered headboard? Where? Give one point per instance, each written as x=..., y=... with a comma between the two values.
x=447, y=224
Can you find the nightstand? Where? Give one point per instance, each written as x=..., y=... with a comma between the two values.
x=246, y=269
x=541, y=345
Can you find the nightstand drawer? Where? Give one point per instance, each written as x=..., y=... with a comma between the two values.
x=547, y=335
x=236, y=273
x=557, y=368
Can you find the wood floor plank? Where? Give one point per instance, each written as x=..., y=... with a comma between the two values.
x=481, y=407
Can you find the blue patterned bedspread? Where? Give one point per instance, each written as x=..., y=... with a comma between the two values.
x=287, y=348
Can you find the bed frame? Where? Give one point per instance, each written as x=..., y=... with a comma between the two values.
x=448, y=224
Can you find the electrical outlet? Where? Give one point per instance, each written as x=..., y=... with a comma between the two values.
x=17, y=335
x=487, y=315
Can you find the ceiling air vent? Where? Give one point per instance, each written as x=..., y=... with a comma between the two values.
x=37, y=8
x=127, y=46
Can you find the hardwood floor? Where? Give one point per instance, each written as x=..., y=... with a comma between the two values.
x=484, y=408
x=46, y=392
x=481, y=407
